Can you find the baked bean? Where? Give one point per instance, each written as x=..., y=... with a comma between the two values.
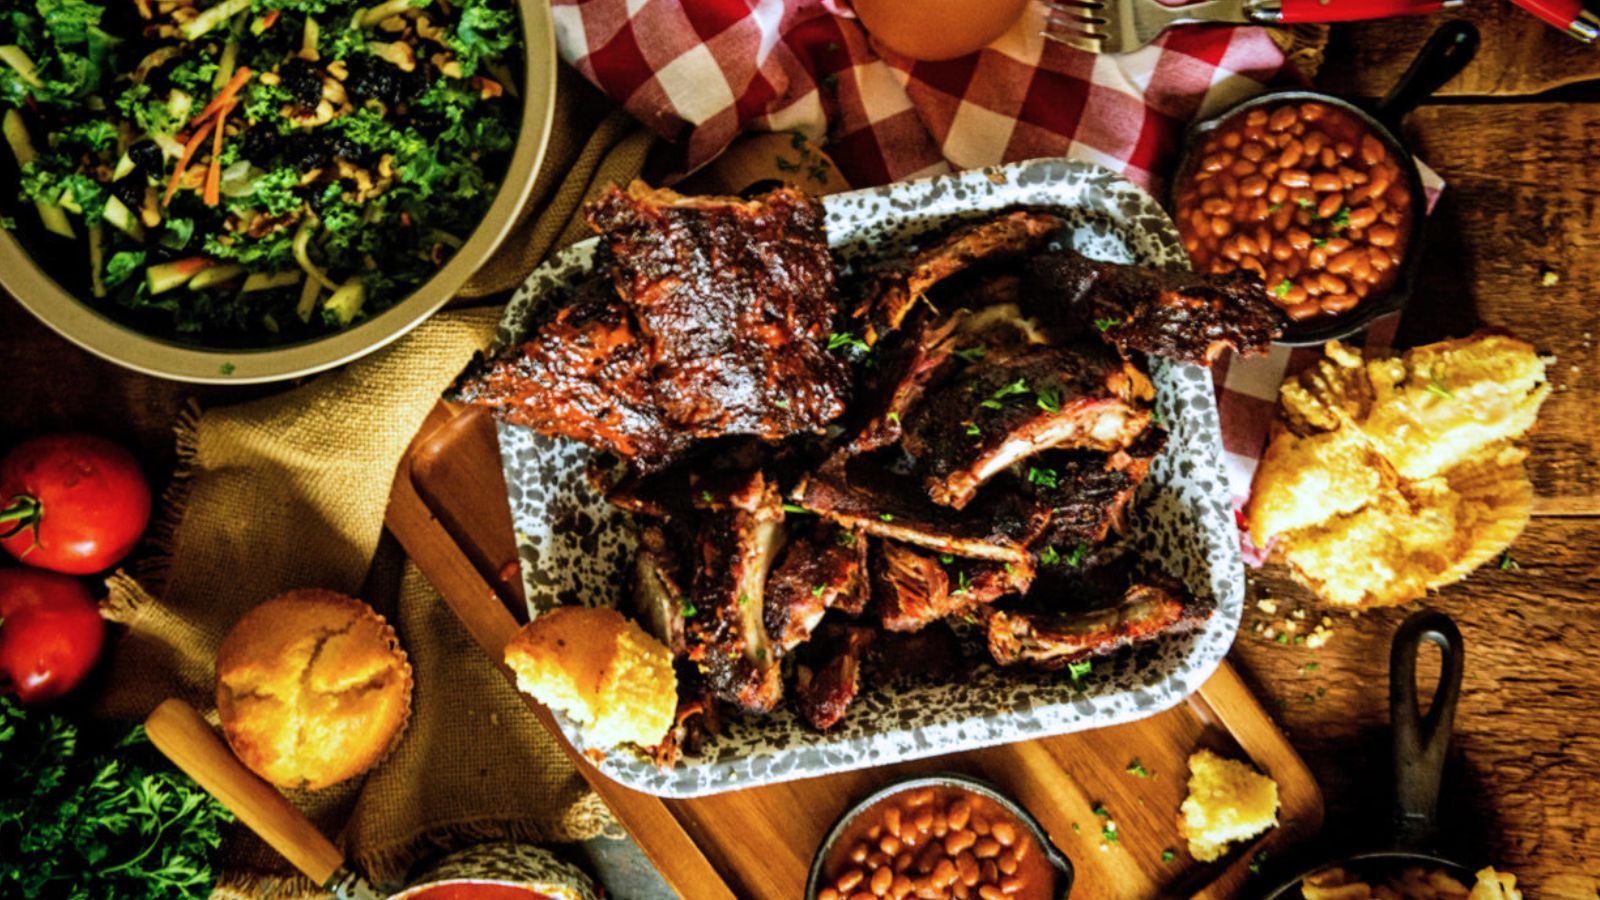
x=1302, y=311
x=861, y=895
x=858, y=853
x=1314, y=142
x=891, y=820
x=1230, y=186
x=1253, y=151
x=1323, y=182
x=1330, y=205
x=1299, y=238
x=1281, y=251
x=1332, y=284
x=1362, y=270
x=1229, y=140
x=1256, y=117
x=1269, y=169
x=1383, y=234
x=1363, y=216
x=945, y=874
x=1390, y=217
x=881, y=880
x=1243, y=168
x=1251, y=264
x=959, y=841
x=929, y=857
x=1372, y=151
x=1345, y=261
x=1221, y=228
x=1338, y=303
x=924, y=819
x=1295, y=294
x=1350, y=177
x=1007, y=863
x=1012, y=884
x=960, y=891
x=1361, y=288
x=889, y=844
x=960, y=814
x=986, y=848
x=1294, y=177
x=1254, y=186
x=901, y=886
x=988, y=871
x=991, y=892
x=1244, y=245
x=1345, y=149
x=980, y=825
x=902, y=862
x=1337, y=246
x=827, y=893
x=920, y=798
x=941, y=826
x=1312, y=112
x=1282, y=218
x=877, y=860
x=847, y=881
x=874, y=832
x=1297, y=129
x=1379, y=259
x=1292, y=152
x=1005, y=833
x=1281, y=118
x=1328, y=157
x=967, y=865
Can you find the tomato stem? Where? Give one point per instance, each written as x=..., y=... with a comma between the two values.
x=21, y=512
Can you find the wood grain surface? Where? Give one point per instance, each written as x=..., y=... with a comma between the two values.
x=1522, y=199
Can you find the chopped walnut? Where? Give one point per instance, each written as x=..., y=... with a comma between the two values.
x=397, y=53
x=339, y=70
x=447, y=65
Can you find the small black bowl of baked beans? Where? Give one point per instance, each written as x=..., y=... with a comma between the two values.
x=938, y=836
x=1316, y=196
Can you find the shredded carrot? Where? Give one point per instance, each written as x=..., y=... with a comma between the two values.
x=189, y=148
x=270, y=19
x=213, y=192
x=223, y=97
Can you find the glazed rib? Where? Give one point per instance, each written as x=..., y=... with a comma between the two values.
x=993, y=415
x=819, y=570
x=741, y=533
x=1181, y=316
x=1053, y=639
x=893, y=290
x=912, y=590
x=825, y=690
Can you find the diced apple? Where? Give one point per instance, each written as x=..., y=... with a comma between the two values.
x=344, y=304
x=270, y=281
x=163, y=277
x=214, y=276
x=123, y=219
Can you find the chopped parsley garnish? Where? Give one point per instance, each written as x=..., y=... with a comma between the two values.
x=845, y=539
x=1042, y=477
x=781, y=403
x=1020, y=386
x=1156, y=417
x=972, y=428
x=705, y=496
x=1010, y=569
x=1109, y=832
x=687, y=609
x=962, y=582
x=1101, y=811
x=1075, y=558
x=1341, y=219
x=1311, y=666
x=1305, y=202
x=796, y=510
x=1105, y=325
x=1080, y=669
x=1439, y=390
x=947, y=558
x=1255, y=864
x=887, y=517
x=1274, y=207
x=1075, y=828
x=1168, y=855
x=818, y=589
x=846, y=339
x=1319, y=242
x=970, y=354
x=1050, y=556
x=1137, y=768
x=1283, y=287
x=893, y=417
x=744, y=599
x=1049, y=399
x=761, y=654
x=1507, y=563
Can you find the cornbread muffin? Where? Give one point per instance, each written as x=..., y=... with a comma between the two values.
x=1388, y=478
x=1228, y=801
x=312, y=688
x=602, y=670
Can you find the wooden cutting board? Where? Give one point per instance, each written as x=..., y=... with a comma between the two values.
x=448, y=508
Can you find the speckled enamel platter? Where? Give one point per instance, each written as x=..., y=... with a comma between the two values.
x=574, y=547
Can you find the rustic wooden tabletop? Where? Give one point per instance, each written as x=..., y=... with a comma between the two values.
x=1514, y=137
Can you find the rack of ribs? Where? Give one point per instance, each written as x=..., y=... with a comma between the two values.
x=718, y=324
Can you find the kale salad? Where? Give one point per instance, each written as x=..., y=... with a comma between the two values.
x=266, y=170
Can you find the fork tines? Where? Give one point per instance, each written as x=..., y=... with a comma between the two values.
x=1077, y=23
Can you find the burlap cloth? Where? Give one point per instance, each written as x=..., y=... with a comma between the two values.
x=289, y=491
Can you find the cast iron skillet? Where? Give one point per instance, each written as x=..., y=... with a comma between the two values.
x=1444, y=56
x=1420, y=743
x=1058, y=860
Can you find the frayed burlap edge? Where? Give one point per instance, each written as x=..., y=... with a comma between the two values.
x=589, y=816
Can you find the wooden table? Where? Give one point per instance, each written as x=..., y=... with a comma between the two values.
x=1515, y=137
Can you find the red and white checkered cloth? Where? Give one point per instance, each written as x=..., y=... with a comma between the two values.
x=700, y=72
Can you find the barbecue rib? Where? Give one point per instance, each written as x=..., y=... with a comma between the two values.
x=824, y=691
x=720, y=326
x=912, y=590
x=995, y=413
x=1088, y=492
x=892, y=291
x=1053, y=639
x=741, y=532
x=861, y=494
x=822, y=570
x=1181, y=316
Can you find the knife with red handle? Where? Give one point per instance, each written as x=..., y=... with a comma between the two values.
x=1289, y=12
x=1567, y=15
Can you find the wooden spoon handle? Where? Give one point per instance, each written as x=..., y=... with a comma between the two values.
x=186, y=739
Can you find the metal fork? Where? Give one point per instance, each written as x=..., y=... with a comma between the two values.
x=1119, y=26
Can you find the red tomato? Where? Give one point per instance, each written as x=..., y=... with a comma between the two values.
x=74, y=503
x=50, y=633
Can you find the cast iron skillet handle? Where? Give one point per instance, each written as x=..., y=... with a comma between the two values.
x=1442, y=58
x=1420, y=742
